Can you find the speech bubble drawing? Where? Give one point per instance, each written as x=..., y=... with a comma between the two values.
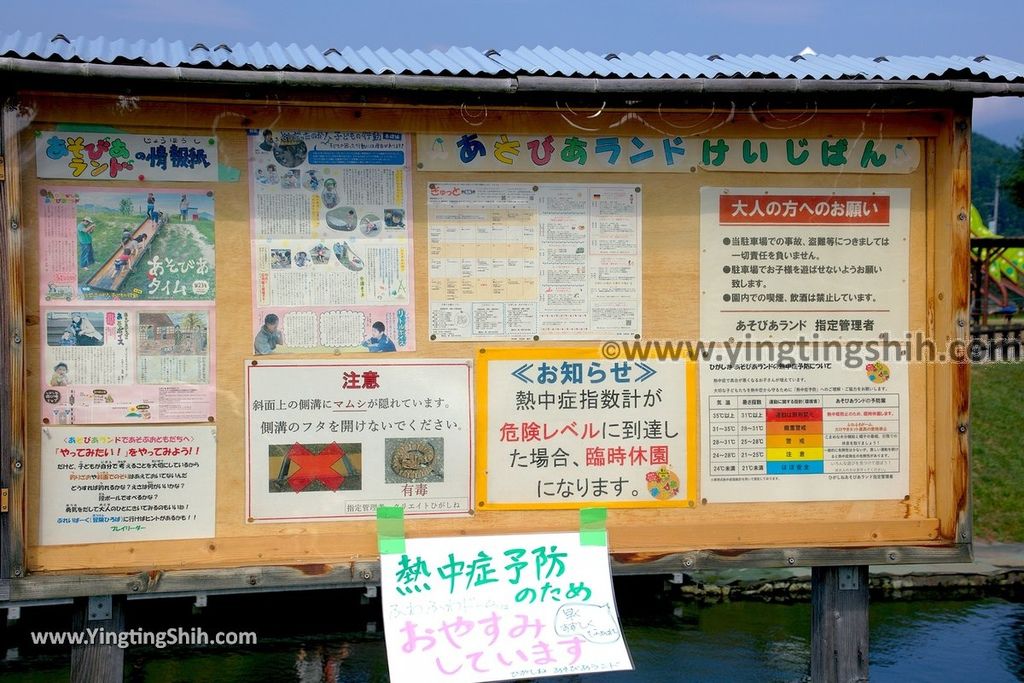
x=342, y=328
x=300, y=329
x=595, y=623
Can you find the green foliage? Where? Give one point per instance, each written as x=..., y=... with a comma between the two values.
x=997, y=414
x=990, y=159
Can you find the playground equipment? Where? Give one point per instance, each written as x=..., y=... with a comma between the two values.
x=108, y=278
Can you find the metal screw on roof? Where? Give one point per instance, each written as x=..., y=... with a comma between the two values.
x=492, y=53
x=60, y=36
x=713, y=58
x=981, y=58
x=880, y=59
x=331, y=51
x=222, y=46
x=611, y=55
x=797, y=58
x=199, y=46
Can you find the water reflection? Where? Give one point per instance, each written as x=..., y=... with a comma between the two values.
x=980, y=640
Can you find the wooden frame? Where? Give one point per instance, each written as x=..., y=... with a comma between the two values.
x=933, y=526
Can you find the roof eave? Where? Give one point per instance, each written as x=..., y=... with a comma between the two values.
x=505, y=84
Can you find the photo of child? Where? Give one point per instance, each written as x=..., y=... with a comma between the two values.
x=66, y=328
x=60, y=376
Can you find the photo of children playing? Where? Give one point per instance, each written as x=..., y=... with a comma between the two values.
x=74, y=328
x=120, y=235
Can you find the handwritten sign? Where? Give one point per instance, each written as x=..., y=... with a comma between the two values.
x=110, y=484
x=120, y=156
x=491, y=608
x=664, y=154
x=330, y=440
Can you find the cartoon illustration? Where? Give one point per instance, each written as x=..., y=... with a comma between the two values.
x=663, y=484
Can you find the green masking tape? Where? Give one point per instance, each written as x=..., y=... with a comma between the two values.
x=592, y=526
x=391, y=530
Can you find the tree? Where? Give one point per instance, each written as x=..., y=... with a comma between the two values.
x=126, y=207
x=1015, y=181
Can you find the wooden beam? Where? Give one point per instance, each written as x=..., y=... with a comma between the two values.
x=101, y=660
x=839, y=624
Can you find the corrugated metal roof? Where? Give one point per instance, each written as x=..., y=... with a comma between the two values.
x=537, y=61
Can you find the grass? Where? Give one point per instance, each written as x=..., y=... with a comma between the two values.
x=997, y=420
x=176, y=242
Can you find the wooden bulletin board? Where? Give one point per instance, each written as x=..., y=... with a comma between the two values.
x=932, y=521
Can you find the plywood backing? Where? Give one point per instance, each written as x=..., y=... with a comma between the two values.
x=670, y=286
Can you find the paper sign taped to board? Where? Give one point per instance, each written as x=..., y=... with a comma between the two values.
x=330, y=440
x=515, y=261
x=128, y=245
x=804, y=264
x=331, y=241
x=787, y=425
x=128, y=365
x=564, y=430
x=495, y=608
x=115, y=484
x=105, y=155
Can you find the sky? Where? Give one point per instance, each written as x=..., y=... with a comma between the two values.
x=857, y=27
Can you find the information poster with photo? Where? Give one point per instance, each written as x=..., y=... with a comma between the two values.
x=515, y=261
x=116, y=484
x=497, y=608
x=128, y=365
x=331, y=241
x=105, y=155
x=329, y=440
x=783, y=431
x=570, y=431
x=126, y=245
x=801, y=264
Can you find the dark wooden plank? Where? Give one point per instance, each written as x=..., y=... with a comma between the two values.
x=98, y=662
x=839, y=624
x=12, y=354
x=307, y=577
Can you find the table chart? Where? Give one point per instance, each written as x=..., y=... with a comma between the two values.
x=814, y=434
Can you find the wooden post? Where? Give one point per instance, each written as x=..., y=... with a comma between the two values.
x=99, y=661
x=839, y=624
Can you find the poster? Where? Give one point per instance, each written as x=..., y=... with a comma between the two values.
x=126, y=245
x=513, y=262
x=804, y=264
x=801, y=428
x=332, y=242
x=115, y=364
x=568, y=153
x=112, y=155
x=116, y=484
x=495, y=608
x=331, y=440
x=565, y=430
